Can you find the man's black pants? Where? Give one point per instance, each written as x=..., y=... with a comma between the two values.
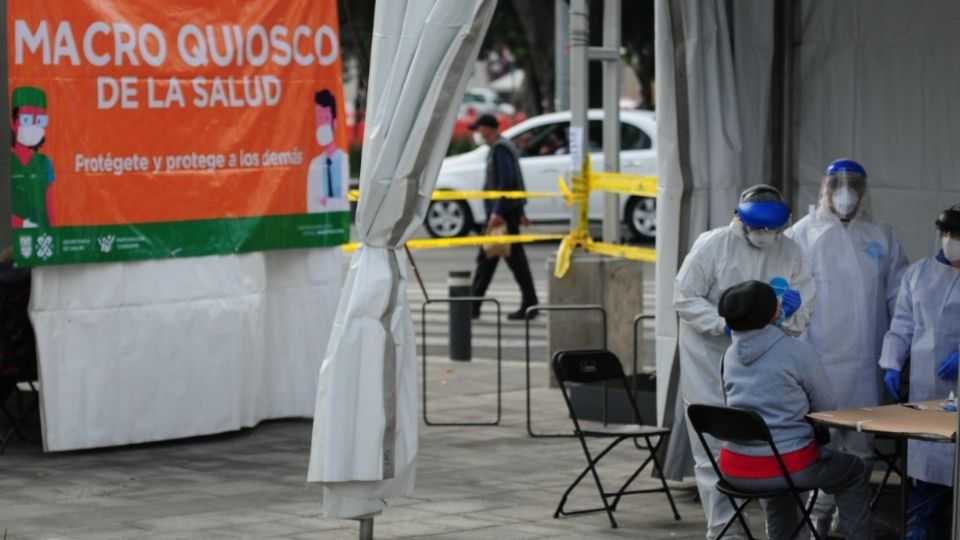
x=517, y=262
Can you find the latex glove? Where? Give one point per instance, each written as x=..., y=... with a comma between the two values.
x=891, y=378
x=948, y=367
x=790, y=302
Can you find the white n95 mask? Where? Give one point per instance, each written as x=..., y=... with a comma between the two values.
x=478, y=139
x=951, y=248
x=845, y=201
x=761, y=238
x=29, y=135
x=325, y=135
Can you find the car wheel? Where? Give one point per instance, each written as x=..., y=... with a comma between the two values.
x=448, y=219
x=641, y=218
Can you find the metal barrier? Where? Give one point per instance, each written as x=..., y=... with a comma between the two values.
x=423, y=330
x=568, y=307
x=636, y=349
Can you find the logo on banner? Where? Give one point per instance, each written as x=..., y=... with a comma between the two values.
x=106, y=243
x=26, y=246
x=44, y=246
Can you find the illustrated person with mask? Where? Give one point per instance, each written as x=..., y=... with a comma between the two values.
x=857, y=265
x=31, y=172
x=751, y=247
x=330, y=171
x=781, y=379
x=926, y=328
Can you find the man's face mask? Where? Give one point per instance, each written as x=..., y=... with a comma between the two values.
x=845, y=201
x=761, y=238
x=325, y=135
x=951, y=248
x=478, y=139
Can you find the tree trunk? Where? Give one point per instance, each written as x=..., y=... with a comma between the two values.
x=536, y=17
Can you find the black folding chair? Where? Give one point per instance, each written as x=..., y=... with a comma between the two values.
x=730, y=424
x=592, y=366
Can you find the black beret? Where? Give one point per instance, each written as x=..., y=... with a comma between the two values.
x=748, y=306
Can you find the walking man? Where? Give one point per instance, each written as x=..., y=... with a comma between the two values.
x=503, y=174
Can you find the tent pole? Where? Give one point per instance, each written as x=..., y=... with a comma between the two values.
x=366, y=528
x=416, y=272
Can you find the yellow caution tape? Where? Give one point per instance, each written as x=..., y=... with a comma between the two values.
x=564, y=252
x=630, y=184
x=633, y=253
x=466, y=241
x=446, y=195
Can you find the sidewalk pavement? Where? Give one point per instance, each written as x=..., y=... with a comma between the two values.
x=473, y=483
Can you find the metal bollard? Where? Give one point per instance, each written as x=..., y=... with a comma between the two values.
x=461, y=334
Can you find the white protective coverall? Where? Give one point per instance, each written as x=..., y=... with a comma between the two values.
x=718, y=260
x=857, y=268
x=926, y=326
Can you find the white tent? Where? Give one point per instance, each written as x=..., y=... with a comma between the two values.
x=365, y=429
x=752, y=91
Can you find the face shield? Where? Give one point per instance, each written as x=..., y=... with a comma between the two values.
x=844, y=188
x=948, y=222
x=763, y=215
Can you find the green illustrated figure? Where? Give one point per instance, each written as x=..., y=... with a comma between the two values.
x=31, y=173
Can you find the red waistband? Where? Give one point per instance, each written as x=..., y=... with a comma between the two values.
x=756, y=467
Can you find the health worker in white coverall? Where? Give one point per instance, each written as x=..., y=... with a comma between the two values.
x=857, y=265
x=752, y=247
x=926, y=328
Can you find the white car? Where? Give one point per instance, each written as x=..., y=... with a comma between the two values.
x=477, y=101
x=542, y=163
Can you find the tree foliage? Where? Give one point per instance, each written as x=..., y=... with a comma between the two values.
x=526, y=27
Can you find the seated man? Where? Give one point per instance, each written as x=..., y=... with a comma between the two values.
x=781, y=379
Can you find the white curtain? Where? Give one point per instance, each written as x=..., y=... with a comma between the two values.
x=713, y=115
x=365, y=429
x=162, y=349
x=881, y=86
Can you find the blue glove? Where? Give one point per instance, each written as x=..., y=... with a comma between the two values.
x=948, y=367
x=790, y=302
x=726, y=332
x=891, y=378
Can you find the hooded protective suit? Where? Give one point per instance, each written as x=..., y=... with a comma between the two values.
x=857, y=268
x=926, y=326
x=720, y=259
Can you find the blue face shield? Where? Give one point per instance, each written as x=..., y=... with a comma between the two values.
x=771, y=215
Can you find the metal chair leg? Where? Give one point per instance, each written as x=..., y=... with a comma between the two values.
x=659, y=472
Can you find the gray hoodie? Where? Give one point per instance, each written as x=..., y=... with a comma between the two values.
x=781, y=379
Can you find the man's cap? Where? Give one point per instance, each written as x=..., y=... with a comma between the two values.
x=28, y=96
x=488, y=120
x=750, y=305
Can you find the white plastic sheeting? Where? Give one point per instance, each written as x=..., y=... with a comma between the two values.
x=154, y=350
x=876, y=83
x=880, y=84
x=365, y=430
x=712, y=145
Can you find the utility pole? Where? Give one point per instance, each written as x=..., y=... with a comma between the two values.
x=609, y=54
x=579, y=88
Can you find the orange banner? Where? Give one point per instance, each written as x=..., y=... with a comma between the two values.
x=181, y=109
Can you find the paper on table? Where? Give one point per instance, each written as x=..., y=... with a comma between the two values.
x=932, y=424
